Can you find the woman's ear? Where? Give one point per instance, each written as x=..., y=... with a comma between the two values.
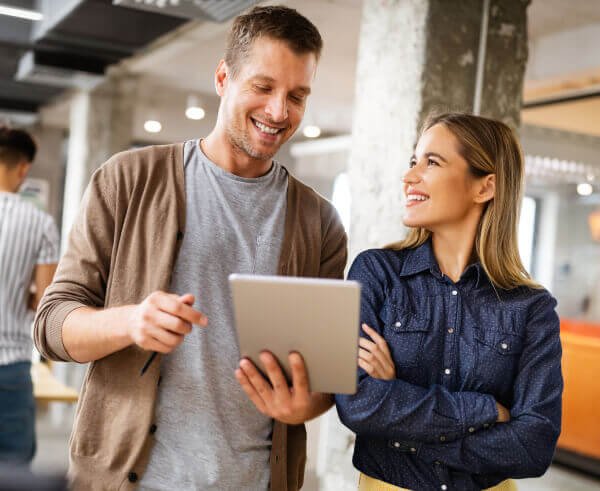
x=486, y=189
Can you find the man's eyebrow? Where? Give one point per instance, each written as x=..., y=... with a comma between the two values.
x=267, y=79
x=263, y=78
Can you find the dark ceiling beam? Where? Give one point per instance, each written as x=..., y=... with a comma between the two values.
x=19, y=105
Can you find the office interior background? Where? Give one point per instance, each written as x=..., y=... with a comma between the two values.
x=89, y=78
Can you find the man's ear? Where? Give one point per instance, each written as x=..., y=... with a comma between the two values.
x=23, y=169
x=221, y=77
x=486, y=189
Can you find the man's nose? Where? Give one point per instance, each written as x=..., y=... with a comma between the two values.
x=277, y=108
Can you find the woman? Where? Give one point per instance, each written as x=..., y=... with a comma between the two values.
x=459, y=380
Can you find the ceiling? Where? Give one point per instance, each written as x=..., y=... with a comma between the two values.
x=77, y=40
x=171, y=54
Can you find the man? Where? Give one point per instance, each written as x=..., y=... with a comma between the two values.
x=28, y=254
x=146, y=270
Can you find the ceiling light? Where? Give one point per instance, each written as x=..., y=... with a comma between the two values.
x=194, y=110
x=311, y=131
x=584, y=189
x=152, y=126
x=20, y=13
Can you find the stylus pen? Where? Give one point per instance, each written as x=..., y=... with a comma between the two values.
x=148, y=363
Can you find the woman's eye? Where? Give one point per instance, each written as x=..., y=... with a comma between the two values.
x=431, y=162
x=412, y=163
x=262, y=88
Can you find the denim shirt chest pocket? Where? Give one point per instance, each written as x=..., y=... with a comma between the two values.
x=404, y=330
x=499, y=345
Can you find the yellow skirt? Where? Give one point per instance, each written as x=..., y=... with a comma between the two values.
x=366, y=483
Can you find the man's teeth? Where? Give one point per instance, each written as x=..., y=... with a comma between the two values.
x=266, y=129
x=417, y=197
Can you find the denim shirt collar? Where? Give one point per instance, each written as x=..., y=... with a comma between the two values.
x=422, y=259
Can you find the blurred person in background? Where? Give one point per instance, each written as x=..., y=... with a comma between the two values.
x=29, y=249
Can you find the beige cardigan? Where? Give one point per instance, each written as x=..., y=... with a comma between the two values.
x=122, y=247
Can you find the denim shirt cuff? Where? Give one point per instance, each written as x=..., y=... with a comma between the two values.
x=479, y=411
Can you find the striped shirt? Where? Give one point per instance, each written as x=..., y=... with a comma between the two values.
x=28, y=237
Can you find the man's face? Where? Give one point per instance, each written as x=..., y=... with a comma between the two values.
x=263, y=105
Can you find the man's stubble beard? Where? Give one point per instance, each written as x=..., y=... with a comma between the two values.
x=240, y=140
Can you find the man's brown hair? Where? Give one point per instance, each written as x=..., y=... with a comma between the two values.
x=15, y=145
x=275, y=22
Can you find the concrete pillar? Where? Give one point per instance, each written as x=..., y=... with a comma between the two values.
x=101, y=124
x=418, y=56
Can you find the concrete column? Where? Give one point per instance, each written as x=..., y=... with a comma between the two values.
x=101, y=124
x=418, y=56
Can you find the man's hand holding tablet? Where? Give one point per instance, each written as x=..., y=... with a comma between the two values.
x=290, y=405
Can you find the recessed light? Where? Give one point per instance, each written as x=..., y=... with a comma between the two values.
x=152, y=126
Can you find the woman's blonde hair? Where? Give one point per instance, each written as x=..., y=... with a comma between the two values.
x=489, y=147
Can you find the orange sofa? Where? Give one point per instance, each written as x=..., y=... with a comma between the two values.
x=580, y=436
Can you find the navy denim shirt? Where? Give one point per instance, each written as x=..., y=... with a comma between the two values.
x=458, y=348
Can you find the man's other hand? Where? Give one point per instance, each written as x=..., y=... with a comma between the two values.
x=274, y=397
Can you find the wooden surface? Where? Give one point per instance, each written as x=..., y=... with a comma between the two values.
x=47, y=388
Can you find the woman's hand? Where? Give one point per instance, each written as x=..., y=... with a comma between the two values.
x=374, y=357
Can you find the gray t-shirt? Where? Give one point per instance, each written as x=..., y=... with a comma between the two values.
x=209, y=434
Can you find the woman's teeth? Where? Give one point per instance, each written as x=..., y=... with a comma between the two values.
x=417, y=197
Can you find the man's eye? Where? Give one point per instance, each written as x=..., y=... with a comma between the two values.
x=262, y=88
x=431, y=162
x=412, y=163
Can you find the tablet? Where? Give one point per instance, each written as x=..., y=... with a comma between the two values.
x=319, y=318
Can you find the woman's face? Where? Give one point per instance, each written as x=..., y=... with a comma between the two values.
x=439, y=189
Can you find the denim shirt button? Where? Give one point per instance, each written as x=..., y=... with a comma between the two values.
x=444, y=487
x=450, y=330
x=442, y=438
x=454, y=292
x=447, y=371
x=504, y=346
x=398, y=324
x=413, y=449
x=396, y=444
x=471, y=429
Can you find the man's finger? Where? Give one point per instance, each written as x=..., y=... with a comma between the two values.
x=168, y=338
x=174, y=306
x=172, y=323
x=300, y=380
x=187, y=299
x=275, y=373
x=250, y=391
x=258, y=382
